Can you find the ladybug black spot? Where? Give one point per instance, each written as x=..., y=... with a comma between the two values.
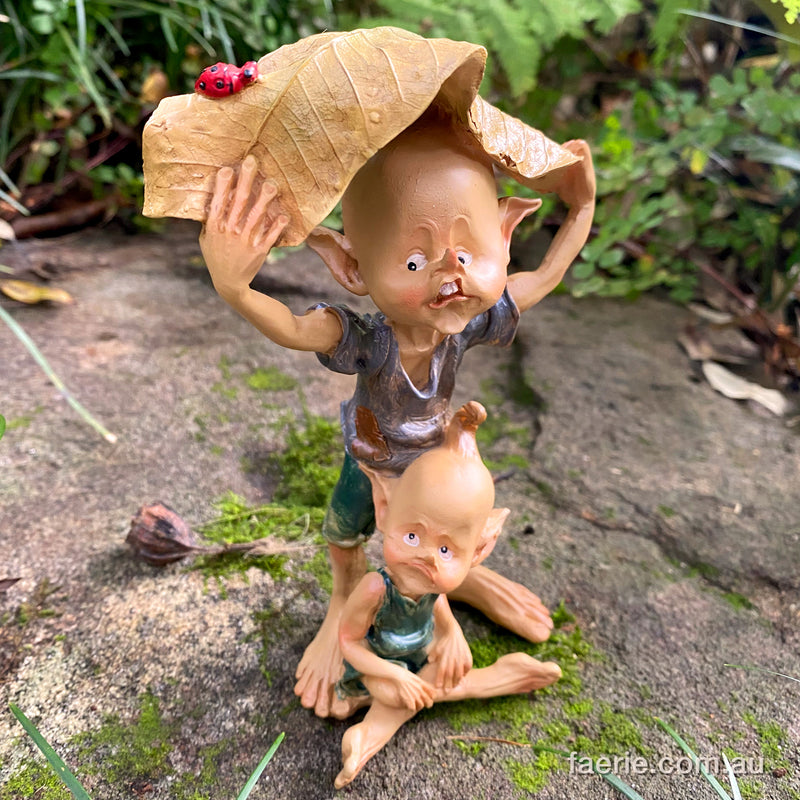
x=248, y=73
x=219, y=83
x=202, y=84
x=213, y=69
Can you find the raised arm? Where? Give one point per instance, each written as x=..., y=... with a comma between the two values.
x=243, y=224
x=577, y=190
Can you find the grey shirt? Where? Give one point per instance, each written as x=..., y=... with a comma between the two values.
x=412, y=420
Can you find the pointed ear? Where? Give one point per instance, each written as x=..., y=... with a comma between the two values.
x=382, y=487
x=494, y=524
x=335, y=250
x=512, y=211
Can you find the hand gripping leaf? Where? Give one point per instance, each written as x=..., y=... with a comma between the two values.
x=320, y=108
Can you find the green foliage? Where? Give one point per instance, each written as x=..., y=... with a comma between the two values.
x=517, y=33
x=307, y=469
x=271, y=379
x=309, y=466
x=127, y=752
x=72, y=74
x=686, y=179
x=792, y=9
x=55, y=761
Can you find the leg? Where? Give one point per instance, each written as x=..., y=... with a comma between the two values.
x=321, y=664
x=349, y=519
x=362, y=741
x=514, y=673
x=505, y=602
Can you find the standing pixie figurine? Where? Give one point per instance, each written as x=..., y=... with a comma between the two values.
x=403, y=648
x=425, y=236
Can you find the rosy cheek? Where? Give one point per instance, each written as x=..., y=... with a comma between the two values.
x=412, y=298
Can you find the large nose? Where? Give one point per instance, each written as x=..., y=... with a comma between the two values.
x=449, y=261
x=428, y=556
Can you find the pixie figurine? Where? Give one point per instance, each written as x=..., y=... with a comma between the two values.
x=403, y=648
x=426, y=237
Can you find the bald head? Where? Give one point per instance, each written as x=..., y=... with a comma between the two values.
x=429, y=166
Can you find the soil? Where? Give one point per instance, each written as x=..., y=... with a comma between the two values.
x=663, y=515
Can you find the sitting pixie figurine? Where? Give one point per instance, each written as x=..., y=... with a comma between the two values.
x=404, y=649
x=426, y=237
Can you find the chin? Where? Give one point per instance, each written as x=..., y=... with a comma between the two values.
x=449, y=321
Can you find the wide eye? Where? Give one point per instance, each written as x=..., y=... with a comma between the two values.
x=416, y=262
x=445, y=553
x=464, y=257
x=411, y=539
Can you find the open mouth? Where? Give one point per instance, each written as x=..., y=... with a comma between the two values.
x=448, y=292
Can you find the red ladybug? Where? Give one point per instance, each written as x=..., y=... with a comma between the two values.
x=224, y=79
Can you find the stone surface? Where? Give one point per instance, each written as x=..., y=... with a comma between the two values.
x=662, y=514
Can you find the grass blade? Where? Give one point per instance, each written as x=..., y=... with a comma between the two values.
x=80, y=69
x=2, y=425
x=14, y=202
x=715, y=784
x=767, y=671
x=60, y=768
x=620, y=785
x=54, y=379
x=737, y=795
x=736, y=24
x=80, y=18
x=248, y=787
x=222, y=34
x=122, y=45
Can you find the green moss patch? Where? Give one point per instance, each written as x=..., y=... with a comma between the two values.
x=34, y=779
x=270, y=379
x=130, y=752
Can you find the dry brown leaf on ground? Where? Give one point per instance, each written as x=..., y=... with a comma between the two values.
x=32, y=293
x=737, y=388
x=320, y=108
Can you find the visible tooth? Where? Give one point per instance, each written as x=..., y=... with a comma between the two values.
x=448, y=289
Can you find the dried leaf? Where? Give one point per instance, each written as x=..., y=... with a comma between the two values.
x=155, y=87
x=7, y=583
x=320, y=108
x=31, y=293
x=522, y=152
x=726, y=382
x=6, y=231
x=159, y=536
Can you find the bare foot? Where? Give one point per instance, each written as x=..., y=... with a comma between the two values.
x=351, y=756
x=514, y=673
x=361, y=742
x=505, y=602
x=319, y=669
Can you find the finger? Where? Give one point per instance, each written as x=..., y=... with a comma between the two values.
x=241, y=195
x=257, y=216
x=219, y=198
x=271, y=235
x=578, y=147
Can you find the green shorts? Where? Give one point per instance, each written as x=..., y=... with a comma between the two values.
x=350, y=518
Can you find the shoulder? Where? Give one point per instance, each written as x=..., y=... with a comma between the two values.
x=364, y=343
x=372, y=587
x=495, y=326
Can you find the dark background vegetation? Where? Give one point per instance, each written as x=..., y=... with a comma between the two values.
x=691, y=108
